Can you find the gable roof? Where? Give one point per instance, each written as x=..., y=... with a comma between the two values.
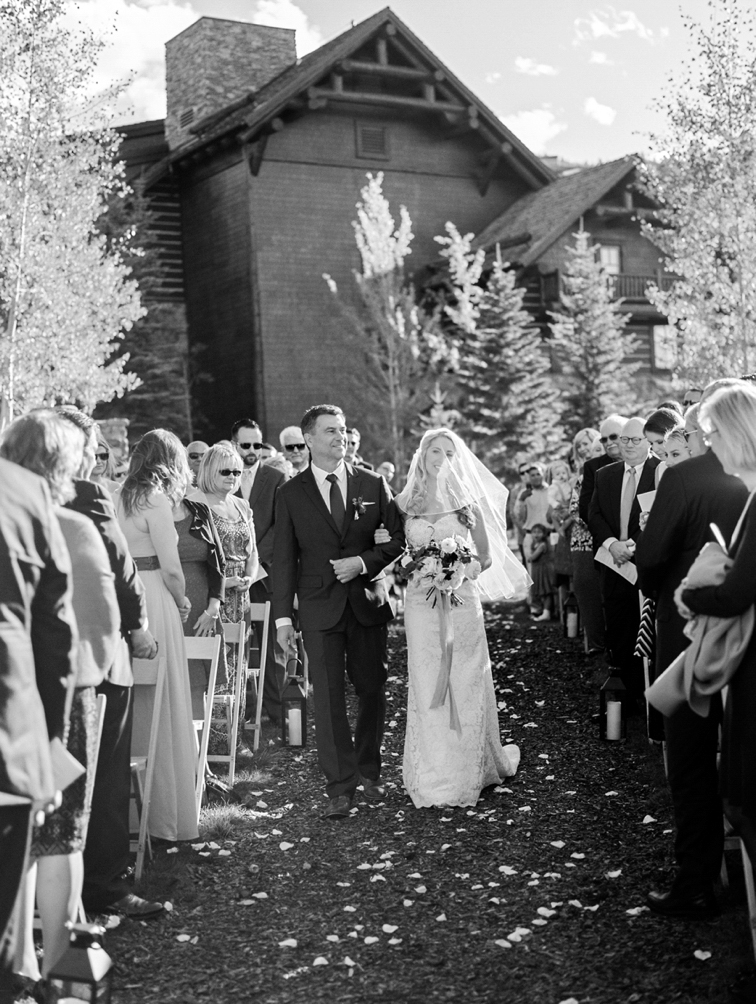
x=532, y=224
x=256, y=109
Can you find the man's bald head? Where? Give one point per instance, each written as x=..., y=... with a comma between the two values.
x=195, y=451
x=633, y=444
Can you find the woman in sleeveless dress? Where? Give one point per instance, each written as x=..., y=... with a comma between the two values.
x=157, y=478
x=452, y=747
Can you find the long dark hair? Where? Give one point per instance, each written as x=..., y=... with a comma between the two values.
x=158, y=463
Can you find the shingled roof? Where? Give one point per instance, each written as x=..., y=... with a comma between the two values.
x=256, y=109
x=539, y=218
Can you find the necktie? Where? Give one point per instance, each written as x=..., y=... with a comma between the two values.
x=628, y=496
x=337, y=501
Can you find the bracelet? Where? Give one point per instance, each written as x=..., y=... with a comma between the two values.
x=208, y=614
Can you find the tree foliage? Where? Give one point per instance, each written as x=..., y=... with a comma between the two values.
x=508, y=399
x=401, y=348
x=65, y=293
x=704, y=178
x=589, y=341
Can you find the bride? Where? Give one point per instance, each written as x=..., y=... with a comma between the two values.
x=452, y=748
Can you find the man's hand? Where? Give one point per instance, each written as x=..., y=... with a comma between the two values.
x=684, y=611
x=381, y=535
x=347, y=569
x=621, y=552
x=143, y=645
x=287, y=638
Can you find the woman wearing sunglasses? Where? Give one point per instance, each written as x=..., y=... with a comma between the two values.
x=103, y=472
x=218, y=478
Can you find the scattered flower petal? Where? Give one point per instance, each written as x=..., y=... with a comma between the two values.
x=167, y=906
x=507, y=870
x=420, y=889
x=183, y=937
x=224, y=854
x=441, y=916
x=172, y=850
x=502, y=943
x=285, y=846
x=700, y=954
x=332, y=937
x=615, y=874
x=408, y=902
x=577, y=855
x=320, y=961
x=260, y=895
x=371, y=939
x=545, y=912
x=348, y=961
x=648, y=819
x=636, y=911
x=350, y=909
x=389, y=928
x=288, y=943
x=395, y=941
x=611, y=793
x=539, y=921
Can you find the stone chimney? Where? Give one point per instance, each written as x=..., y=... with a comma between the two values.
x=214, y=62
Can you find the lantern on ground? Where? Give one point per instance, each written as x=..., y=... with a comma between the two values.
x=84, y=972
x=294, y=706
x=571, y=614
x=612, y=726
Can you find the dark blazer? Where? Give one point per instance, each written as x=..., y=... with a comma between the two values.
x=262, y=501
x=37, y=633
x=307, y=539
x=604, y=510
x=93, y=501
x=590, y=469
x=691, y=495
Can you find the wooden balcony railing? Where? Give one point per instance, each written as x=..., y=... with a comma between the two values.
x=545, y=289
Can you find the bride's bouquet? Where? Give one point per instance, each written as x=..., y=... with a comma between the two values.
x=441, y=564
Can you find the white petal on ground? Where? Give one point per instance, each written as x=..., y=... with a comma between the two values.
x=502, y=943
x=320, y=961
x=700, y=954
x=389, y=928
x=332, y=937
x=371, y=939
x=288, y=943
x=648, y=819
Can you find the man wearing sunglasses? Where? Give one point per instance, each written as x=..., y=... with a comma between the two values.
x=294, y=448
x=609, y=432
x=692, y=396
x=258, y=486
x=195, y=451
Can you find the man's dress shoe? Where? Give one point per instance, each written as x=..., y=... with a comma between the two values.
x=338, y=808
x=373, y=791
x=701, y=906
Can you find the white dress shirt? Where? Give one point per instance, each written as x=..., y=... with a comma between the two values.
x=638, y=468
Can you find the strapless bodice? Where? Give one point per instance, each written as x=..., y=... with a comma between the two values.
x=419, y=530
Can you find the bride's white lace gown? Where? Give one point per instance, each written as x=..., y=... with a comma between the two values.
x=441, y=765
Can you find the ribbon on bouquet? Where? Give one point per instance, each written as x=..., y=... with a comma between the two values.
x=443, y=683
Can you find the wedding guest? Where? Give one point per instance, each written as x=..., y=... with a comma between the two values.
x=558, y=515
x=693, y=435
x=353, y=450
x=691, y=496
x=45, y=444
x=281, y=464
x=728, y=419
x=692, y=396
x=671, y=405
x=103, y=472
x=195, y=451
x=542, y=572
x=514, y=506
x=268, y=451
x=294, y=448
x=36, y=678
x=157, y=478
x=676, y=447
x=585, y=578
x=609, y=435
x=657, y=427
x=533, y=508
x=387, y=470
x=107, y=856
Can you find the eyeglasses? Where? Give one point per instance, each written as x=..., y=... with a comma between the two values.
x=103, y=456
x=708, y=433
x=687, y=435
x=228, y=472
x=249, y=446
x=353, y=442
x=635, y=440
x=295, y=446
x=609, y=439
x=196, y=456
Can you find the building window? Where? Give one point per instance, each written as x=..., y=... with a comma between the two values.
x=186, y=118
x=372, y=141
x=610, y=258
x=664, y=340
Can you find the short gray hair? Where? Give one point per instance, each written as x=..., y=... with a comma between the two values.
x=48, y=445
x=290, y=430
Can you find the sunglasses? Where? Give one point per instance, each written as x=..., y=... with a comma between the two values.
x=227, y=472
x=609, y=439
x=249, y=446
x=103, y=456
x=295, y=446
x=196, y=456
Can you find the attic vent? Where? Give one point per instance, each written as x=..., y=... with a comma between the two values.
x=186, y=118
x=372, y=141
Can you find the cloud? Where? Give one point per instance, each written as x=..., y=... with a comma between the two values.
x=533, y=69
x=601, y=59
x=286, y=14
x=492, y=78
x=610, y=23
x=535, y=127
x=602, y=114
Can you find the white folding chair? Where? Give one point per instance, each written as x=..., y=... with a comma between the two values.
x=260, y=614
x=147, y=673
x=234, y=634
x=208, y=649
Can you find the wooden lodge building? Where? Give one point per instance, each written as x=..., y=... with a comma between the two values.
x=253, y=177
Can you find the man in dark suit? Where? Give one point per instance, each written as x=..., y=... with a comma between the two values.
x=691, y=496
x=37, y=638
x=258, y=486
x=609, y=433
x=614, y=522
x=324, y=551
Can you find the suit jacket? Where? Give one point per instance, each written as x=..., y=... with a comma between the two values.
x=37, y=633
x=93, y=501
x=690, y=496
x=590, y=469
x=604, y=510
x=307, y=538
x=262, y=501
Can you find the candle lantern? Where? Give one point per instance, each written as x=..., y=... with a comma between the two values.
x=571, y=621
x=84, y=972
x=294, y=706
x=612, y=695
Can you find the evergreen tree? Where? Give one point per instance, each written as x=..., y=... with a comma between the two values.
x=508, y=399
x=588, y=336
x=65, y=295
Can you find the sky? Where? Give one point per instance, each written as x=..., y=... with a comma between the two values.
x=570, y=78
